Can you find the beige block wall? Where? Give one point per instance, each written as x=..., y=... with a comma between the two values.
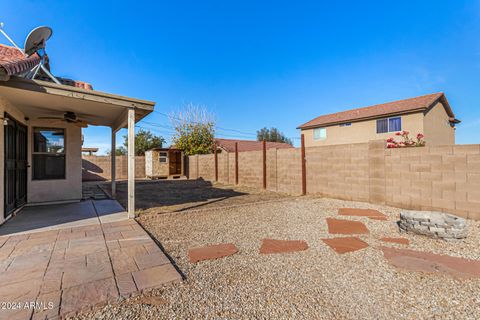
x=206, y=166
x=437, y=127
x=98, y=168
x=442, y=178
x=338, y=171
x=223, y=167
x=362, y=132
x=289, y=171
x=250, y=168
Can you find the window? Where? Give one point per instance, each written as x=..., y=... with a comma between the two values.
x=395, y=124
x=389, y=125
x=163, y=157
x=319, y=133
x=48, y=154
x=347, y=124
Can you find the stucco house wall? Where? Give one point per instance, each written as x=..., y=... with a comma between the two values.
x=40, y=191
x=362, y=131
x=66, y=189
x=438, y=130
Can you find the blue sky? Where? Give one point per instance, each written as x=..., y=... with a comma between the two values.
x=263, y=63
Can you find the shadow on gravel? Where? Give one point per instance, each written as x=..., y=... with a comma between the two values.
x=174, y=195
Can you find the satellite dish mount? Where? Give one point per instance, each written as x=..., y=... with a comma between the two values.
x=35, y=43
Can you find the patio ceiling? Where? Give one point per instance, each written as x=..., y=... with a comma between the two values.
x=37, y=98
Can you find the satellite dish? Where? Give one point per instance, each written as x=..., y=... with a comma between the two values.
x=37, y=39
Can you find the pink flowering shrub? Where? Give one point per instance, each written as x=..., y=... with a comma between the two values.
x=407, y=141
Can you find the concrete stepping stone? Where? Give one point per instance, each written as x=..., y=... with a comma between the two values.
x=432, y=263
x=369, y=213
x=211, y=252
x=282, y=246
x=345, y=244
x=337, y=226
x=396, y=240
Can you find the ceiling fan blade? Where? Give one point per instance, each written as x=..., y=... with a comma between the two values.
x=80, y=124
x=50, y=118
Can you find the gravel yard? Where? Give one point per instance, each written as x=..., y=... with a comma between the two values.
x=313, y=284
x=160, y=196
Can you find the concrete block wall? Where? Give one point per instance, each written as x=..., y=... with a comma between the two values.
x=443, y=178
x=206, y=166
x=289, y=171
x=250, y=168
x=272, y=180
x=223, y=167
x=98, y=168
x=339, y=171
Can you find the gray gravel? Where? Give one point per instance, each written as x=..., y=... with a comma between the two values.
x=312, y=284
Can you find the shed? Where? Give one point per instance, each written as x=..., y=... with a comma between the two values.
x=164, y=163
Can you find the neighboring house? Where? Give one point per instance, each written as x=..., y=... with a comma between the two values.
x=228, y=145
x=41, y=138
x=430, y=115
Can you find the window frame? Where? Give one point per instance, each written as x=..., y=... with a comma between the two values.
x=160, y=157
x=388, y=124
x=63, y=154
x=320, y=138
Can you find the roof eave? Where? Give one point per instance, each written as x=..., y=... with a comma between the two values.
x=306, y=127
x=79, y=93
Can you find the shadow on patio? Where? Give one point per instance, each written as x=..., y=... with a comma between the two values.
x=59, y=216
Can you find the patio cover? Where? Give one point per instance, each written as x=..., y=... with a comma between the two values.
x=36, y=98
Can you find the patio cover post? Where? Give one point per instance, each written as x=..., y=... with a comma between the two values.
x=131, y=163
x=113, y=164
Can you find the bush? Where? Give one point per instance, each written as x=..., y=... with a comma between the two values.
x=407, y=141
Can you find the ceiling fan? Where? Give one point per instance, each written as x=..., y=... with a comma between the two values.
x=69, y=117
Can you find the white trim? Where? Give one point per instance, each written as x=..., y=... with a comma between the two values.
x=131, y=163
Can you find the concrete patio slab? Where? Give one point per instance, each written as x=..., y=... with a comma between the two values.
x=51, y=217
x=76, y=265
x=110, y=211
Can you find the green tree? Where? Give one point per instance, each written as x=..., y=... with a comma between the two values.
x=144, y=140
x=121, y=151
x=272, y=135
x=194, y=130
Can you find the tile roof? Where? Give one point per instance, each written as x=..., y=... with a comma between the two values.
x=248, y=145
x=420, y=103
x=14, y=62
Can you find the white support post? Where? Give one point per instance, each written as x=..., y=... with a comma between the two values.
x=113, y=164
x=131, y=163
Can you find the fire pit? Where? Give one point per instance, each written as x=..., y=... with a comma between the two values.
x=433, y=224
